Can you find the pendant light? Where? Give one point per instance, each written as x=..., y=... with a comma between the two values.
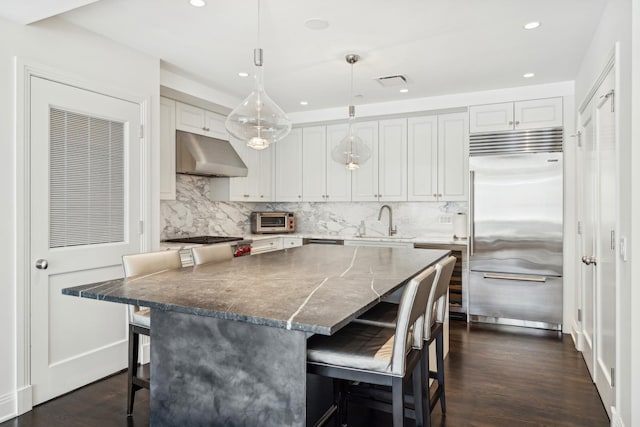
x=351, y=151
x=258, y=120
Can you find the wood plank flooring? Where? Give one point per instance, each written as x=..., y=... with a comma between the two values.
x=495, y=376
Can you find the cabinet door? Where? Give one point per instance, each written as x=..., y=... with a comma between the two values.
x=239, y=186
x=422, y=158
x=288, y=168
x=338, y=178
x=214, y=125
x=167, y=149
x=262, y=181
x=392, y=160
x=314, y=164
x=453, y=157
x=190, y=118
x=491, y=118
x=365, y=178
x=538, y=113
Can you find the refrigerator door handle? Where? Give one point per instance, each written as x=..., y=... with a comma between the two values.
x=472, y=236
x=519, y=277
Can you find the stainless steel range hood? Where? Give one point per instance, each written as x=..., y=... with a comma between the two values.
x=206, y=156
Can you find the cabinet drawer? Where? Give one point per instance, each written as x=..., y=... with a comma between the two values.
x=291, y=242
x=266, y=245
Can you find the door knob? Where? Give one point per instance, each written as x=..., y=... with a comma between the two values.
x=42, y=264
x=588, y=260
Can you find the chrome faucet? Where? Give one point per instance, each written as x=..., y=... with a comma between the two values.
x=392, y=229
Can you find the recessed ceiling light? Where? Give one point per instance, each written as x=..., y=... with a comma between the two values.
x=197, y=3
x=316, y=24
x=405, y=90
x=528, y=75
x=304, y=103
x=531, y=25
x=242, y=74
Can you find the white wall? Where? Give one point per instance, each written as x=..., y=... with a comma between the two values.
x=58, y=45
x=615, y=26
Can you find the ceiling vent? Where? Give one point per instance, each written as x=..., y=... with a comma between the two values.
x=389, y=81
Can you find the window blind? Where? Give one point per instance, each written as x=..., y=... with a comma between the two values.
x=86, y=180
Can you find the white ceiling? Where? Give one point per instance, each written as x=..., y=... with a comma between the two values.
x=442, y=46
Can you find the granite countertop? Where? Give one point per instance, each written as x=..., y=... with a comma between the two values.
x=440, y=240
x=312, y=288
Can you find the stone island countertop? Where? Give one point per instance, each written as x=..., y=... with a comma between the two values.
x=313, y=288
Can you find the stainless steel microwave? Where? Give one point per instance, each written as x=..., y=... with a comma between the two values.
x=272, y=222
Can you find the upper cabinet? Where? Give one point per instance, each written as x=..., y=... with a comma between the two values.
x=257, y=185
x=288, y=167
x=533, y=114
x=384, y=176
x=167, y=149
x=438, y=157
x=203, y=122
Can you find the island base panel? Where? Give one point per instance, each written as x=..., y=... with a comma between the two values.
x=215, y=372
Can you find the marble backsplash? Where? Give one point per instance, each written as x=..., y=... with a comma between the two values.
x=192, y=214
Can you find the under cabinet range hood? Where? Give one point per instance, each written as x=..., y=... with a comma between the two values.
x=206, y=156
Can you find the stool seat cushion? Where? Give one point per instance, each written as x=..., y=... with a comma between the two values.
x=356, y=346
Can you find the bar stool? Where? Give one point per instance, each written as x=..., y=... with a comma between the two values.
x=139, y=317
x=211, y=253
x=385, y=315
x=378, y=355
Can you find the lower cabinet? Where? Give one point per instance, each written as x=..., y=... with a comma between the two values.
x=268, y=244
x=291, y=242
x=382, y=244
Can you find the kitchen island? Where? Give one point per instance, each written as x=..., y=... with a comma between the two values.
x=229, y=339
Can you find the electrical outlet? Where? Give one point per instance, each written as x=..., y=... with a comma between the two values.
x=444, y=219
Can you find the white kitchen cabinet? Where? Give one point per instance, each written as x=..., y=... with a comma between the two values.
x=167, y=149
x=257, y=185
x=288, y=168
x=196, y=120
x=438, y=157
x=531, y=114
x=384, y=176
x=291, y=242
x=453, y=157
x=269, y=244
x=323, y=179
x=314, y=164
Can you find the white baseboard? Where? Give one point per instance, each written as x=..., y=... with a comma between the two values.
x=578, y=338
x=25, y=399
x=616, y=421
x=8, y=407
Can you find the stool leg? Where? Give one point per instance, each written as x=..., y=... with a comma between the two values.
x=418, y=391
x=134, y=340
x=397, y=396
x=426, y=389
x=440, y=362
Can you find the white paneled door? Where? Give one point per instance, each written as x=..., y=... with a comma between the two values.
x=598, y=212
x=605, y=131
x=588, y=181
x=84, y=215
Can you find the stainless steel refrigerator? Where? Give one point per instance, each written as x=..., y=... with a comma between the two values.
x=515, y=227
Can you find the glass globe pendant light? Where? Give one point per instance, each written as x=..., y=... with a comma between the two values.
x=352, y=150
x=258, y=120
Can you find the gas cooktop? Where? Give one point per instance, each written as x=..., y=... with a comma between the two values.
x=204, y=240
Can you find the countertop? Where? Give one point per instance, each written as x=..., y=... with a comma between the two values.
x=438, y=240
x=312, y=288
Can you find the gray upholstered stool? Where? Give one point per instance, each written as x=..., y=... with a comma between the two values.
x=385, y=315
x=138, y=265
x=211, y=253
x=378, y=355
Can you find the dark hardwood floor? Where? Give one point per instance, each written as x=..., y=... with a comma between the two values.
x=495, y=376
